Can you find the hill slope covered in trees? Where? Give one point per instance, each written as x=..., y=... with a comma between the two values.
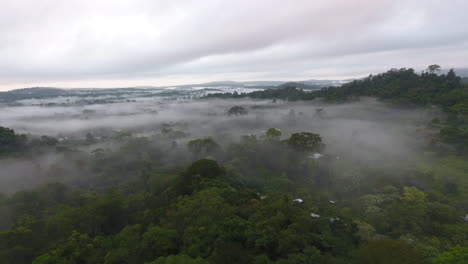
x=399, y=86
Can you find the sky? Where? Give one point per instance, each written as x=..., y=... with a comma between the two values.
x=123, y=43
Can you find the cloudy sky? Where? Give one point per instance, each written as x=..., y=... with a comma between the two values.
x=117, y=43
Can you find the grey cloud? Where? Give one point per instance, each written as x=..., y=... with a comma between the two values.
x=60, y=41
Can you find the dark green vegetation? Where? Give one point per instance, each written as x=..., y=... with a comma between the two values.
x=290, y=93
x=399, y=86
x=237, y=110
x=278, y=197
x=10, y=142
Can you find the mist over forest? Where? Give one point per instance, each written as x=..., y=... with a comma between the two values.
x=367, y=131
x=366, y=171
x=233, y=132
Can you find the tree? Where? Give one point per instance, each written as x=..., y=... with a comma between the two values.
x=202, y=145
x=305, y=141
x=204, y=169
x=273, y=134
x=103, y=215
x=160, y=241
x=237, y=110
x=456, y=255
x=364, y=231
x=388, y=251
x=310, y=255
x=10, y=142
x=203, y=220
x=178, y=259
x=78, y=248
x=413, y=195
x=129, y=247
x=433, y=68
x=22, y=241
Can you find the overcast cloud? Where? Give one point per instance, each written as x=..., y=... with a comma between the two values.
x=89, y=43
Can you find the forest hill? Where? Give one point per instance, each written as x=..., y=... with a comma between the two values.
x=398, y=86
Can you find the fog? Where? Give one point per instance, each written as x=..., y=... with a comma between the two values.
x=366, y=132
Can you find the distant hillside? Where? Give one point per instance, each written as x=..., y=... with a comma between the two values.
x=31, y=93
x=48, y=92
x=306, y=84
x=397, y=85
x=324, y=83
x=301, y=85
x=263, y=83
x=38, y=91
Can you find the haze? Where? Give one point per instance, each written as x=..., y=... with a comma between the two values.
x=368, y=131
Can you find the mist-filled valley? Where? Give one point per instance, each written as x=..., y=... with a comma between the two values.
x=233, y=132
x=365, y=132
x=370, y=170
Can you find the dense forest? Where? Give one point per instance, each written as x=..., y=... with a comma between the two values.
x=287, y=194
x=398, y=86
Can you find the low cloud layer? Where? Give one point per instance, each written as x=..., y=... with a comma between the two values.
x=367, y=132
x=124, y=43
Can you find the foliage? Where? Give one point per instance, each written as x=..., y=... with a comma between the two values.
x=433, y=68
x=202, y=145
x=237, y=111
x=258, y=199
x=288, y=92
x=176, y=259
x=388, y=251
x=273, y=134
x=10, y=142
x=399, y=86
x=305, y=141
x=456, y=255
